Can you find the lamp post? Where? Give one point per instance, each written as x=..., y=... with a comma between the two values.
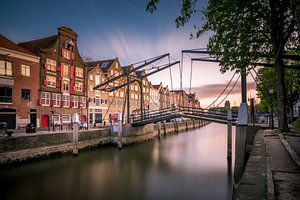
x=271, y=92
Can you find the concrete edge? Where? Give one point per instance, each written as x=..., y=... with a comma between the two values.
x=270, y=182
x=30, y=154
x=291, y=151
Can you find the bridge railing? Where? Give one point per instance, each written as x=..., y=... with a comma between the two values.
x=152, y=114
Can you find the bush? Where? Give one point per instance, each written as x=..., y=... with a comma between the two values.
x=296, y=125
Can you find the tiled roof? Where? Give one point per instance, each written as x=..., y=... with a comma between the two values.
x=8, y=44
x=156, y=86
x=35, y=45
x=104, y=64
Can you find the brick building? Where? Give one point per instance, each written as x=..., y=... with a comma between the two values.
x=62, y=78
x=106, y=105
x=19, y=78
x=154, y=97
x=179, y=98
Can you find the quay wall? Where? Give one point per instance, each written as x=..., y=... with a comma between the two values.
x=27, y=147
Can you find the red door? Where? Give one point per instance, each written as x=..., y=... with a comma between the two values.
x=45, y=121
x=83, y=118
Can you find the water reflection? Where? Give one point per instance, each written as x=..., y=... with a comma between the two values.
x=191, y=165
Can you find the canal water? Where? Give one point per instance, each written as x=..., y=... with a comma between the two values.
x=190, y=165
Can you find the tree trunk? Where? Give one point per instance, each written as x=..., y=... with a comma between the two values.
x=281, y=97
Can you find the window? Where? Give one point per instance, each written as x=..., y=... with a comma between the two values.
x=50, y=64
x=25, y=70
x=97, y=80
x=66, y=86
x=66, y=100
x=65, y=118
x=79, y=72
x=91, y=88
x=110, y=94
x=97, y=101
x=56, y=98
x=51, y=81
x=78, y=86
x=132, y=87
x=103, y=101
x=75, y=101
x=132, y=95
x=121, y=94
x=66, y=68
x=45, y=98
x=25, y=95
x=91, y=77
x=136, y=88
x=5, y=68
x=66, y=54
x=105, y=64
x=56, y=118
x=83, y=102
x=5, y=95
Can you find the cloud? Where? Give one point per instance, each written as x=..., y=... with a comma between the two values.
x=214, y=90
x=134, y=45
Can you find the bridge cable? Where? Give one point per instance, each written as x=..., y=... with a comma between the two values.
x=221, y=92
x=263, y=93
x=229, y=91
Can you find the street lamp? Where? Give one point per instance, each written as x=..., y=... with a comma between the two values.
x=271, y=92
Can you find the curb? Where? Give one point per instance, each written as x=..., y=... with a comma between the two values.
x=290, y=150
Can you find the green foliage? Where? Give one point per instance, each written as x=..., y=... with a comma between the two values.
x=296, y=125
x=266, y=80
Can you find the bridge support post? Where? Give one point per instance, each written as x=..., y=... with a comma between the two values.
x=158, y=130
x=240, y=142
x=120, y=145
x=229, y=135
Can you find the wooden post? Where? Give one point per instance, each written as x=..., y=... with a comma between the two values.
x=75, y=133
x=120, y=134
x=159, y=134
x=229, y=135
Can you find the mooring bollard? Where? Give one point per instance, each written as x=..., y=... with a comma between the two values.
x=75, y=119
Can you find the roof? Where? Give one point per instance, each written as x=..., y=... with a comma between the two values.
x=156, y=86
x=34, y=45
x=8, y=44
x=104, y=64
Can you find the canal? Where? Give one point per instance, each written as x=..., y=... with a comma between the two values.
x=189, y=165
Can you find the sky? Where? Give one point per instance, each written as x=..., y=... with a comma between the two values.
x=122, y=28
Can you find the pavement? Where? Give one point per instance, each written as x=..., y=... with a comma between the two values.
x=273, y=168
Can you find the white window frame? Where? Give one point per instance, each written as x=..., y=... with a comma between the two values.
x=51, y=64
x=82, y=102
x=79, y=72
x=56, y=98
x=65, y=118
x=46, y=96
x=66, y=100
x=75, y=101
x=78, y=86
x=67, y=54
x=5, y=68
x=51, y=81
x=25, y=70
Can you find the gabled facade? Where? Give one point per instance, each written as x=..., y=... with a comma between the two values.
x=180, y=98
x=97, y=100
x=19, y=78
x=62, y=78
x=154, y=97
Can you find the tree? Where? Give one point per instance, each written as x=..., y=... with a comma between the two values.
x=247, y=31
x=265, y=81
